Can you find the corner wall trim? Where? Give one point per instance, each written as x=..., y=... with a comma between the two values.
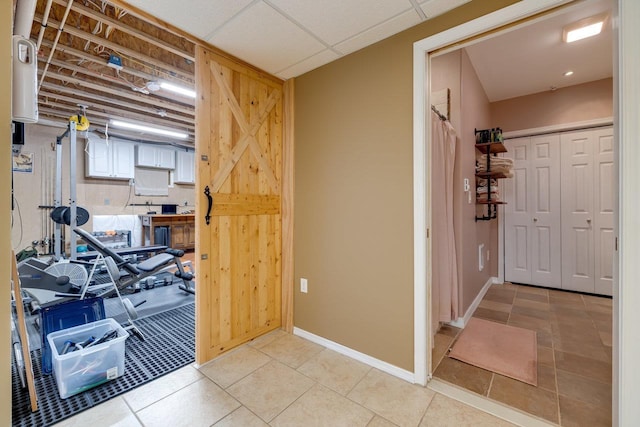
x=356, y=355
x=461, y=322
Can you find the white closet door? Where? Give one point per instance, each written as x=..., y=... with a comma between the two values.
x=532, y=214
x=517, y=255
x=577, y=210
x=544, y=200
x=604, y=200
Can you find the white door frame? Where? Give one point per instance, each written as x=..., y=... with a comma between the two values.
x=626, y=346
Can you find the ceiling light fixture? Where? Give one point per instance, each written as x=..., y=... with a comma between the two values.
x=584, y=28
x=149, y=129
x=568, y=73
x=153, y=86
x=178, y=89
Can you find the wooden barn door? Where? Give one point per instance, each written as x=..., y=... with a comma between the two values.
x=239, y=133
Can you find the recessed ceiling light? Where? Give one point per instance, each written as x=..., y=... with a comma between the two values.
x=584, y=28
x=568, y=73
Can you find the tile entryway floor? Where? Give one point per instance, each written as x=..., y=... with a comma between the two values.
x=574, y=354
x=282, y=380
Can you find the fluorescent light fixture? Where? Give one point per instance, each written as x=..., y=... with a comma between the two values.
x=145, y=128
x=568, y=73
x=178, y=89
x=584, y=28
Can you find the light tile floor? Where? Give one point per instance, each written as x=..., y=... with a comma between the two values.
x=282, y=380
x=574, y=354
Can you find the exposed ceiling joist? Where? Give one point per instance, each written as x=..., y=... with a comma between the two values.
x=71, y=109
x=98, y=16
x=124, y=51
x=85, y=56
x=98, y=101
x=115, y=111
x=128, y=94
x=57, y=116
x=76, y=70
x=109, y=79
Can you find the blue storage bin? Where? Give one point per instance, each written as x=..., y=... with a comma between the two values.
x=67, y=315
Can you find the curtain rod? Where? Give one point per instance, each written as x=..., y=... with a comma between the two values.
x=440, y=115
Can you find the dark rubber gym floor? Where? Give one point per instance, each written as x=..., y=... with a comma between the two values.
x=167, y=321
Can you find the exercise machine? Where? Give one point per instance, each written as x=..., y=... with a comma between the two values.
x=129, y=274
x=46, y=282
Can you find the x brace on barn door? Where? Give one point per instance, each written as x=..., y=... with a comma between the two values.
x=249, y=129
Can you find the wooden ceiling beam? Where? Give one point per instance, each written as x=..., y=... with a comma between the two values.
x=98, y=114
x=148, y=118
x=112, y=80
x=98, y=60
x=120, y=50
x=98, y=16
x=63, y=118
x=88, y=98
x=123, y=94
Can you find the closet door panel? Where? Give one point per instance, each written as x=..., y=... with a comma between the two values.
x=604, y=200
x=517, y=215
x=546, y=268
x=577, y=211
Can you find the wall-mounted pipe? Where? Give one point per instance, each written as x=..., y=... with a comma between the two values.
x=55, y=42
x=43, y=24
x=25, y=10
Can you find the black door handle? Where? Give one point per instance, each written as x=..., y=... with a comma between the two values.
x=207, y=193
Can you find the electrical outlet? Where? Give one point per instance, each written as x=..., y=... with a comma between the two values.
x=303, y=285
x=480, y=257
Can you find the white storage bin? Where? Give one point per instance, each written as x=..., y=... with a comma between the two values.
x=83, y=369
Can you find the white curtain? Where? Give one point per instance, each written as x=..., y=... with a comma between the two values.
x=444, y=265
x=151, y=182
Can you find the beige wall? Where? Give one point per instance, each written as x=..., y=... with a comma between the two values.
x=98, y=196
x=354, y=200
x=587, y=101
x=6, y=13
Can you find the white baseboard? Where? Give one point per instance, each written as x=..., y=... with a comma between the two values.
x=461, y=322
x=356, y=355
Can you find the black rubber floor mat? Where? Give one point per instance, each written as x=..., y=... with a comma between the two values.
x=169, y=345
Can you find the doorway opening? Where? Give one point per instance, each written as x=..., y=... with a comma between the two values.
x=432, y=359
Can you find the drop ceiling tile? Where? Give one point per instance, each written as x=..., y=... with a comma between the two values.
x=434, y=8
x=308, y=64
x=399, y=23
x=263, y=37
x=196, y=17
x=336, y=20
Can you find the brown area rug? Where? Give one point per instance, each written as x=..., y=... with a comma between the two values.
x=503, y=349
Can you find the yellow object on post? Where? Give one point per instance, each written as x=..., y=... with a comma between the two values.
x=82, y=123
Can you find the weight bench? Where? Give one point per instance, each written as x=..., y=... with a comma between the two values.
x=137, y=272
